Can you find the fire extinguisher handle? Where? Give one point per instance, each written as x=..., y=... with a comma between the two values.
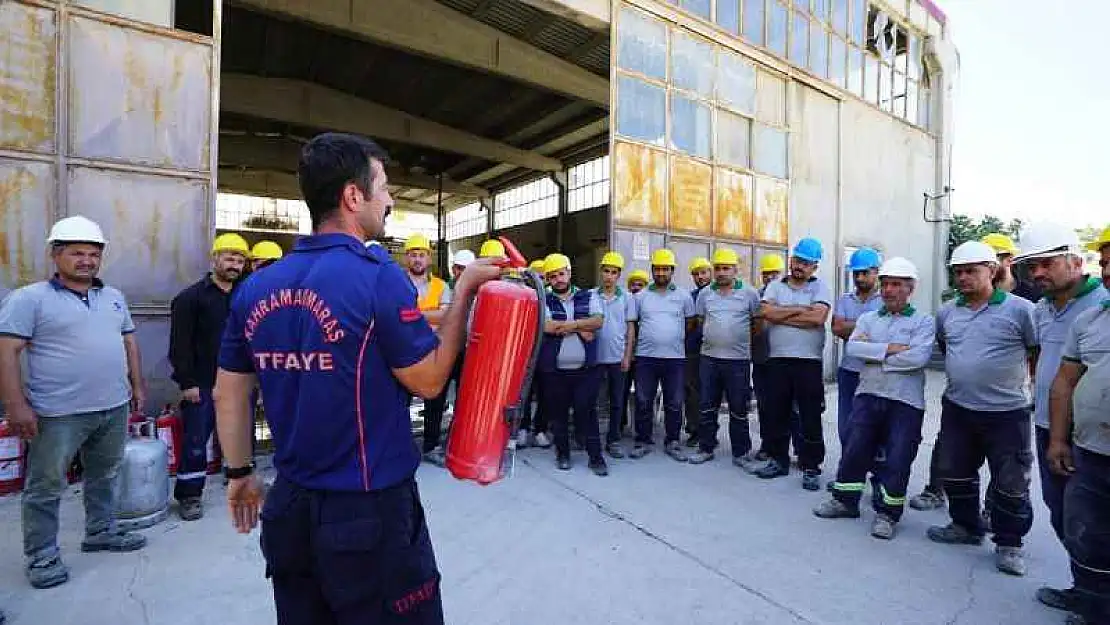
x=516, y=259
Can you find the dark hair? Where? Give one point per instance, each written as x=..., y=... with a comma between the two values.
x=331, y=161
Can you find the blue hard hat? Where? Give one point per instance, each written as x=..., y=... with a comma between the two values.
x=808, y=249
x=864, y=259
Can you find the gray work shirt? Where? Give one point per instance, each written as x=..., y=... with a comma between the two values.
x=727, y=321
x=850, y=308
x=75, y=361
x=901, y=376
x=663, y=314
x=619, y=310
x=1052, y=332
x=1088, y=344
x=986, y=352
x=760, y=348
x=572, y=352
x=787, y=342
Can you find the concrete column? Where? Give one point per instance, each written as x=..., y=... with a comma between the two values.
x=561, y=180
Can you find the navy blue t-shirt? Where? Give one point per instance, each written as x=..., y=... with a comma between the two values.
x=323, y=328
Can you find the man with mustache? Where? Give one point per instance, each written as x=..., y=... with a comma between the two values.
x=197, y=317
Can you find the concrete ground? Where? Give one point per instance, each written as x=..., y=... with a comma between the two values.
x=654, y=543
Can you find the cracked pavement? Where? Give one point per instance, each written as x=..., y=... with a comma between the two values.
x=656, y=542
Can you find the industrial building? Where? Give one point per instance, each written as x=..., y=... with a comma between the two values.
x=570, y=125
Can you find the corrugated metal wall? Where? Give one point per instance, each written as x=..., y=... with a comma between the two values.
x=107, y=111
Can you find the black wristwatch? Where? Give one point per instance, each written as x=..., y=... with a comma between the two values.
x=237, y=473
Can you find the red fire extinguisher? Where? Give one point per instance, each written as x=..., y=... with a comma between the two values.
x=169, y=431
x=501, y=354
x=12, y=460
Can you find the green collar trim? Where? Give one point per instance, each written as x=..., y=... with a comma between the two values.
x=1106, y=304
x=616, y=293
x=737, y=285
x=1089, y=285
x=908, y=311
x=670, y=287
x=996, y=298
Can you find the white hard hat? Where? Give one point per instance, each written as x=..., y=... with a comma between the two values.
x=463, y=258
x=972, y=253
x=76, y=229
x=1048, y=239
x=898, y=267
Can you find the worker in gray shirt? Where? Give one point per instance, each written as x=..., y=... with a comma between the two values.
x=616, y=340
x=795, y=310
x=895, y=344
x=666, y=314
x=1079, y=449
x=82, y=378
x=864, y=265
x=987, y=337
x=728, y=312
x=1053, y=257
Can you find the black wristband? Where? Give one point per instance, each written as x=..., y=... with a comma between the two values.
x=240, y=472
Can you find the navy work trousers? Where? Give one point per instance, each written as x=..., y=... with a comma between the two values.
x=436, y=406
x=846, y=384
x=1004, y=440
x=650, y=374
x=610, y=400
x=795, y=381
x=730, y=379
x=1053, y=485
x=1087, y=534
x=198, y=423
x=691, y=388
x=879, y=423
x=350, y=558
x=574, y=389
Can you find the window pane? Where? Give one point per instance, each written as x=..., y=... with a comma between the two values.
x=871, y=78
x=802, y=5
x=821, y=10
x=642, y=44
x=837, y=60
x=858, y=21
x=728, y=15
x=691, y=64
x=753, y=21
x=158, y=12
x=733, y=139
x=641, y=110
x=924, y=111
x=770, y=98
x=799, y=39
x=770, y=150
x=901, y=50
x=690, y=126
x=697, y=7
x=911, y=101
x=886, y=79
x=855, y=71
x=915, y=57
x=899, y=94
x=840, y=17
x=818, y=50
x=777, y=25
x=736, y=82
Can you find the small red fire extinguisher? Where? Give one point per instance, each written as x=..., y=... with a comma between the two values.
x=12, y=460
x=501, y=354
x=170, y=432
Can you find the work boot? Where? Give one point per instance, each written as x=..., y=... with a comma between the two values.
x=883, y=527
x=543, y=440
x=952, y=534
x=47, y=572
x=811, y=479
x=190, y=509
x=639, y=450
x=523, y=438
x=562, y=463
x=598, y=466
x=753, y=462
x=700, y=456
x=927, y=500
x=771, y=470
x=835, y=509
x=692, y=440
x=830, y=485
x=615, y=450
x=436, y=457
x=1010, y=560
x=1058, y=598
x=113, y=540
x=674, y=450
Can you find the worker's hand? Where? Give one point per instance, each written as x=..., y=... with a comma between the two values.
x=23, y=421
x=896, y=348
x=587, y=335
x=191, y=395
x=138, y=400
x=626, y=364
x=244, y=500
x=1059, y=458
x=478, y=273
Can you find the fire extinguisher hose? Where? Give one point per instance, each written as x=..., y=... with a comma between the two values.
x=533, y=280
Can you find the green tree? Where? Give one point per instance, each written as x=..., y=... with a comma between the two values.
x=963, y=229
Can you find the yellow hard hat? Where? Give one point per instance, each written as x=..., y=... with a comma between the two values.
x=536, y=265
x=266, y=250
x=663, y=258
x=230, y=242
x=491, y=249
x=699, y=262
x=638, y=274
x=1102, y=241
x=1001, y=243
x=725, y=256
x=613, y=259
x=418, y=242
x=771, y=262
x=554, y=262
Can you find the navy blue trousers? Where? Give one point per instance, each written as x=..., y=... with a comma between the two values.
x=1087, y=534
x=650, y=374
x=730, y=379
x=198, y=422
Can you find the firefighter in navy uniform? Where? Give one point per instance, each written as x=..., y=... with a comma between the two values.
x=334, y=336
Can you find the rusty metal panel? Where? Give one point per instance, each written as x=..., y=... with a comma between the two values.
x=159, y=12
x=156, y=228
x=771, y=202
x=28, y=77
x=733, y=214
x=639, y=183
x=691, y=196
x=138, y=97
x=26, y=213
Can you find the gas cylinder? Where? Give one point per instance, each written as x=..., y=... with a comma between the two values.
x=170, y=432
x=501, y=352
x=11, y=460
x=144, y=483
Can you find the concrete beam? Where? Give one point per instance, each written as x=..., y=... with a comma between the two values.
x=560, y=143
x=283, y=186
x=276, y=154
x=308, y=104
x=430, y=29
x=593, y=14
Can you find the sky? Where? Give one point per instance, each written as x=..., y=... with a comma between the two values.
x=1032, y=109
